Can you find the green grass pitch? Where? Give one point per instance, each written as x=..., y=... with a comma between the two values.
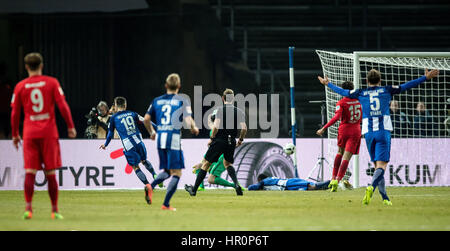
x=416, y=208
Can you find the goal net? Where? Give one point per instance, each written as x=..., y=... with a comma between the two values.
x=421, y=112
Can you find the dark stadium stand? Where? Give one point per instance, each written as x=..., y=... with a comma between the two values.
x=269, y=27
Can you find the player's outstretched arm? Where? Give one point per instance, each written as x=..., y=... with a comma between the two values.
x=333, y=120
x=343, y=92
x=416, y=82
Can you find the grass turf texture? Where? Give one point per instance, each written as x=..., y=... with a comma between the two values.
x=424, y=208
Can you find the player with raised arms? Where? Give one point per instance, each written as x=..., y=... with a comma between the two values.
x=37, y=95
x=227, y=121
x=348, y=111
x=376, y=122
x=125, y=123
x=169, y=111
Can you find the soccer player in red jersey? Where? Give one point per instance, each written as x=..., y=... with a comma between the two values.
x=37, y=96
x=349, y=134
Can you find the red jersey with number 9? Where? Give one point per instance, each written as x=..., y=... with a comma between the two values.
x=37, y=95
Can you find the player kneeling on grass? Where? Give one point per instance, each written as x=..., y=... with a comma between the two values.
x=265, y=182
x=349, y=134
x=125, y=123
x=376, y=122
x=215, y=171
x=37, y=95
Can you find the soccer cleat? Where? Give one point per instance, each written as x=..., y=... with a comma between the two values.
x=190, y=190
x=239, y=191
x=387, y=202
x=57, y=216
x=148, y=193
x=169, y=208
x=27, y=215
x=368, y=195
x=161, y=185
x=347, y=185
x=333, y=185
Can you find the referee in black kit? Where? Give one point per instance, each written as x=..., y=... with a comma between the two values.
x=228, y=119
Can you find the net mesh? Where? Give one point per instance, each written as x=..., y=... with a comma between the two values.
x=421, y=112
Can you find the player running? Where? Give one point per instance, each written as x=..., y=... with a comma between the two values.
x=37, y=95
x=223, y=141
x=349, y=134
x=169, y=111
x=125, y=123
x=376, y=122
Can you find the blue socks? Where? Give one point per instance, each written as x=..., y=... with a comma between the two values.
x=171, y=189
x=382, y=190
x=322, y=185
x=149, y=167
x=141, y=176
x=162, y=176
x=378, y=175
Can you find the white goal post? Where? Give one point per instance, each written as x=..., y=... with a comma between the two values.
x=396, y=68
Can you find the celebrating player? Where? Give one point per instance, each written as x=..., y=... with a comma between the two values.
x=37, y=95
x=169, y=111
x=349, y=134
x=223, y=141
x=376, y=122
x=125, y=123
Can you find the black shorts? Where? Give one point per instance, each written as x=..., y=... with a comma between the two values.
x=219, y=147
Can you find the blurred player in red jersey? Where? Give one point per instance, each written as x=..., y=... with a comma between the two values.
x=37, y=96
x=349, y=134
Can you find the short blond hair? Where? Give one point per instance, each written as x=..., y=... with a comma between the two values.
x=173, y=81
x=228, y=95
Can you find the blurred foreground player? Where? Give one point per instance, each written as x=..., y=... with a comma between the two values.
x=125, y=123
x=265, y=182
x=37, y=95
x=376, y=122
x=169, y=111
x=348, y=111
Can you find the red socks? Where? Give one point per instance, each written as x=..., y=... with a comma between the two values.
x=53, y=191
x=29, y=190
x=337, y=163
x=342, y=170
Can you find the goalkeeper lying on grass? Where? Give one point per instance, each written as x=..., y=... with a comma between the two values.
x=273, y=183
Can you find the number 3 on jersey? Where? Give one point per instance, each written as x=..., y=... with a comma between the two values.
x=355, y=113
x=166, y=109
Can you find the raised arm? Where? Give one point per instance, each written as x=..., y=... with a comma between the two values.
x=343, y=92
x=416, y=82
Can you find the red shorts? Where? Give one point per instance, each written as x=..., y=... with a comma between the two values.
x=349, y=141
x=41, y=151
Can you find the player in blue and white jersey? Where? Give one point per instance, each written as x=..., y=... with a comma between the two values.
x=376, y=122
x=125, y=123
x=169, y=111
x=265, y=182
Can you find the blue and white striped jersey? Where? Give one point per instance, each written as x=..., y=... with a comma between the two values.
x=125, y=123
x=168, y=112
x=375, y=103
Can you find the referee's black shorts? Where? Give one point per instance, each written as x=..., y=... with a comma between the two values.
x=219, y=147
